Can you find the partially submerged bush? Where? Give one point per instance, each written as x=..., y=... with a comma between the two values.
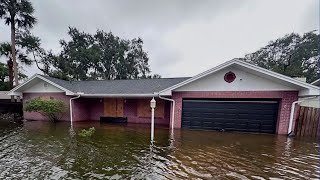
x=87, y=133
x=51, y=108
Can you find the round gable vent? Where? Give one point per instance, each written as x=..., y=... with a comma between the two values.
x=229, y=77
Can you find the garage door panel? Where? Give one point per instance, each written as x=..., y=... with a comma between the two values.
x=230, y=116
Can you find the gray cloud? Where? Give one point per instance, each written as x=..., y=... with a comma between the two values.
x=191, y=34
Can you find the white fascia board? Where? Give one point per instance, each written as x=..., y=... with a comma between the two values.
x=244, y=64
x=15, y=94
x=166, y=93
x=315, y=82
x=13, y=91
x=119, y=95
x=276, y=75
x=309, y=92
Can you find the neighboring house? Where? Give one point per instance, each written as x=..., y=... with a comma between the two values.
x=4, y=97
x=235, y=96
x=6, y=106
x=311, y=102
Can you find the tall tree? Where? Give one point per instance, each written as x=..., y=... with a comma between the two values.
x=17, y=14
x=4, y=84
x=31, y=46
x=5, y=51
x=4, y=75
x=99, y=56
x=292, y=55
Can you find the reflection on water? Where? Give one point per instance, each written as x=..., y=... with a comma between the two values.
x=38, y=150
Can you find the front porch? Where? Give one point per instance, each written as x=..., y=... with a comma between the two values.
x=136, y=110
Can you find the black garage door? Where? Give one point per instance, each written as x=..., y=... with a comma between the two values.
x=231, y=115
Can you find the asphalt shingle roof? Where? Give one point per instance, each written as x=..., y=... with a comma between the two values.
x=132, y=86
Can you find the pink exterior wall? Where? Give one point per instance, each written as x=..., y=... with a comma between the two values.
x=92, y=109
x=85, y=109
x=88, y=109
x=130, y=111
x=286, y=99
x=38, y=116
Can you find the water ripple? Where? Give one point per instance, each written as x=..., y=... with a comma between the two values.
x=48, y=151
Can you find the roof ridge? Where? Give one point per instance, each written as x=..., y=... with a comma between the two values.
x=45, y=76
x=131, y=79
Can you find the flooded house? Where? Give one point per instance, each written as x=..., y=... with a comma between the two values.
x=233, y=96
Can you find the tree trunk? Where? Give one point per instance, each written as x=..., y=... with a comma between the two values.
x=13, y=52
x=10, y=72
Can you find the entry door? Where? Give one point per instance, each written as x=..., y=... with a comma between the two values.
x=234, y=115
x=113, y=107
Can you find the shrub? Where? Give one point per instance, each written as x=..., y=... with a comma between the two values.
x=87, y=133
x=51, y=108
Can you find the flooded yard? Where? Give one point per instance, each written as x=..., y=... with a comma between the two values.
x=38, y=150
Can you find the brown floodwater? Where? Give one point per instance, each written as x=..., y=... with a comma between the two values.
x=39, y=150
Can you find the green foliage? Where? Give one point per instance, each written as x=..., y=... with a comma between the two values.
x=18, y=13
x=4, y=77
x=87, y=133
x=96, y=56
x=292, y=55
x=51, y=108
x=31, y=46
x=4, y=84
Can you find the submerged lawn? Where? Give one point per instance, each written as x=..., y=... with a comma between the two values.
x=38, y=150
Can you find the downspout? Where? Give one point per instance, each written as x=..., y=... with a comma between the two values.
x=71, y=117
x=172, y=114
x=293, y=106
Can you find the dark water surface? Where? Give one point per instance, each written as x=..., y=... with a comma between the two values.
x=38, y=150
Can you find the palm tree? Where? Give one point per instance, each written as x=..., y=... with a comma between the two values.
x=5, y=50
x=17, y=14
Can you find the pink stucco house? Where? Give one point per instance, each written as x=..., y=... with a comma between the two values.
x=234, y=96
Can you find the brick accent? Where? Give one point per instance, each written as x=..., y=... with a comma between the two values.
x=286, y=98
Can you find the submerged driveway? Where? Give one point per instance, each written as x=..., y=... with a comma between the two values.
x=38, y=150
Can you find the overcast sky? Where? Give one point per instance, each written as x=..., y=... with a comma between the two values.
x=182, y=38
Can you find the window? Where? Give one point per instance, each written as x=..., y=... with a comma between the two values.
x=229, y=77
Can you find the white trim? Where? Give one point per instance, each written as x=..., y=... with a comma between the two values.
x=12, y=91
x=309, y=92
x=71, y=110
x=244, y=64
x=315, y=82
x=172, y=113
x=119, y=95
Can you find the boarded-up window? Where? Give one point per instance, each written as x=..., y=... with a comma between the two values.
x=144, y=109
x=113, y=107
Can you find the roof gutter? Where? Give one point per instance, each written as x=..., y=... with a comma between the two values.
x=118, y=95
x=71, y=109
x=172, y=113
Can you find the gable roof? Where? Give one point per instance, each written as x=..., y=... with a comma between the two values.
x=132, y=87
x=15, y=91
x=246, y=65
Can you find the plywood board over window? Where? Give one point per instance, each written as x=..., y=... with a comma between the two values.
x=144, y=109
x=113, y=107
